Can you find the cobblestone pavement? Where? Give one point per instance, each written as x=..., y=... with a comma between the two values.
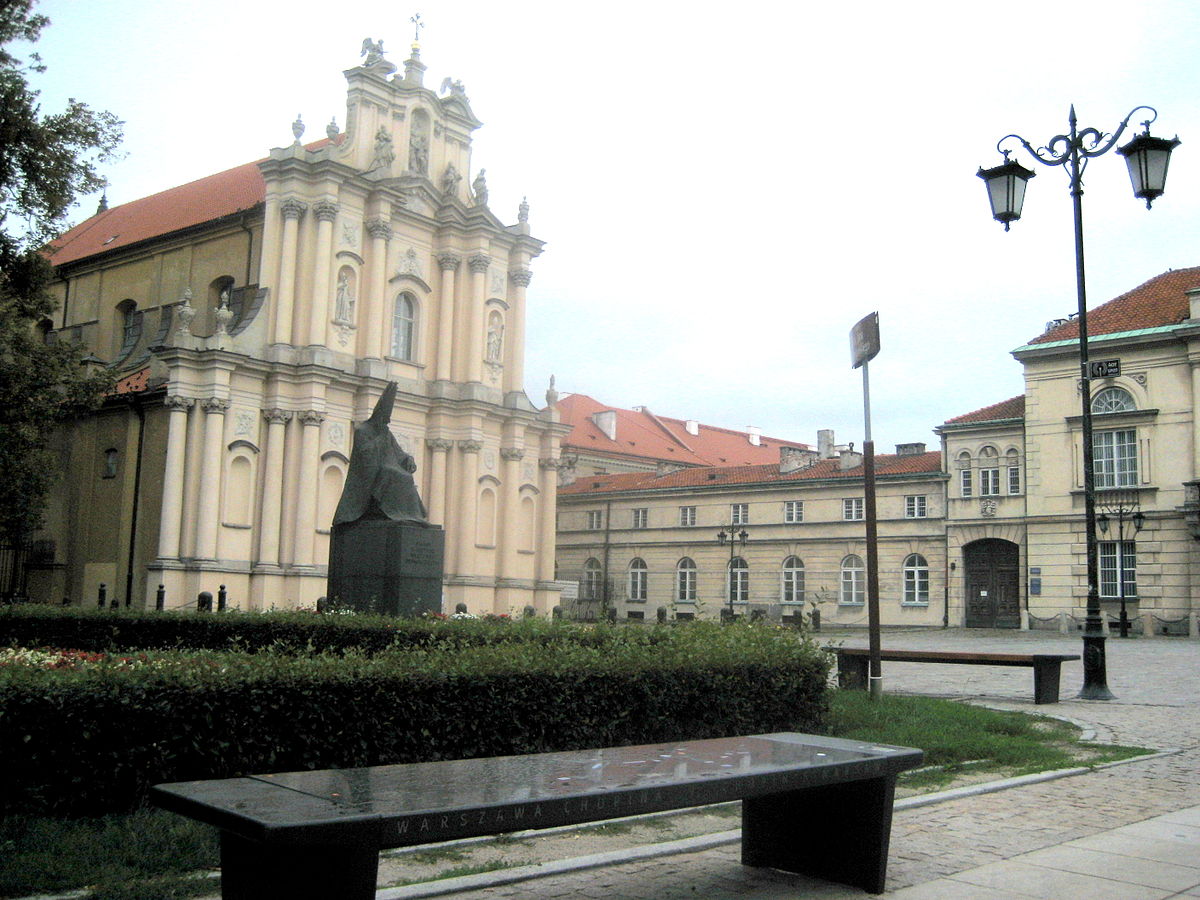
x=954, y=849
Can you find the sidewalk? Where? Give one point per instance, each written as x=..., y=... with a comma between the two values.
x=1125, y=831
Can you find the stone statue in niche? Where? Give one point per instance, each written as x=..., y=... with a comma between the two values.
x=384, y=154
x=450, y=180
x=495, y=340
x=479, y=187
x=344, y=303
x=379, y=483
x=418, y=153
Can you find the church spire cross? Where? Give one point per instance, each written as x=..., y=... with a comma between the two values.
x=417, y=26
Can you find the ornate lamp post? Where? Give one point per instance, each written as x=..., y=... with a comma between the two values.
x=729, y=534
x=1122, y=508
x=1147, y=158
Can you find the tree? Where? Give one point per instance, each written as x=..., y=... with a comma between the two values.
x=47, y=161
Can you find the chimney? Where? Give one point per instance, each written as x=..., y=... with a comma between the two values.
x=914, y=449
x=825, y=443
x=849, y=459
x=691, y=426
x=1193, y=302
x=606, y=421
x=754, y=435
x=792, y=459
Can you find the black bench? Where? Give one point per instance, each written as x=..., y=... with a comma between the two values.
x=1047, y=667
x=815, y=805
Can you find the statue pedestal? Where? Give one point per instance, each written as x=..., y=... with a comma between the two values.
x=378, y=565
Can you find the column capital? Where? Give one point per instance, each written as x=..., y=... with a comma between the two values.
x=479, y=262
x=215, y=405
x=440, y=445
x=449, y=260
x=470, y=446
x=175, y=402
x=512, y=454
x=326, y=211
x=549, y=462
x=277, y=416
x=379, y=228
x=311, y=417
x=520, y=277
x=293, y=208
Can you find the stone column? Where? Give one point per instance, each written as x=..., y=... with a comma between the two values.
x=435, y=498
x=272, y=502
x=306, y=500
x=509, y=513
x=449, y=263
x=285, y=300
x=211, y=463
x=473, y=346
x=546, y=509
x=326, y=212
x=514, y=350
x=173, y=475
x=375, y=315
x=468, y=505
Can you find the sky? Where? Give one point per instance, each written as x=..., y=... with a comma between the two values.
x=724, y=190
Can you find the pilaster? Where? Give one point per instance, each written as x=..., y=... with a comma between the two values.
x=210, y=477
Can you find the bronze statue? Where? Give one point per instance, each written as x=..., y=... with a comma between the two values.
x=380, y=484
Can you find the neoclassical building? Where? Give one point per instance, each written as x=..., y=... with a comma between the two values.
x=254, y=316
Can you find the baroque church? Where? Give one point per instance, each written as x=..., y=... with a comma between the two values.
x=253, y=317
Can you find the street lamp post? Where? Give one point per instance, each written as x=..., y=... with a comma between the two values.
x=1122, y=508
x=729, y=534
x=1147, y=158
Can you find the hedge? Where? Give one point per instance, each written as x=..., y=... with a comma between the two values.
x=92, y=739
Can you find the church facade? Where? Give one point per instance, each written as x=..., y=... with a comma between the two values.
x=254, y=317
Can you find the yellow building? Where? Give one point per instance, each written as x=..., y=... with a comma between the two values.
x=256, y=315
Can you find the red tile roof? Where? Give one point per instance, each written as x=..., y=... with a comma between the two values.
x=1160, y=301
x=133, y=383
x=1013, y=408
x=640, y=434
x=715, y=476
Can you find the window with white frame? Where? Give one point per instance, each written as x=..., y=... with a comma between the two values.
x=1014, y=472
x=793, y=511
x=641, y=517
x=1118, y=560
x=853, y=509
x=595, y=520
x=685, y=581
x=739, y=513
x=792, y=580
x=593, y=580
x=1114, y=456
x=739, y=581
x=1113, y=400
x=687, y=516
x=637, y=580
x=965, y=487
x=989, y=472
x=916, y=579
x=915, y=506
x=404, y=318
x=853, y=579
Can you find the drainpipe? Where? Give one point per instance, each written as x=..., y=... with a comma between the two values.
x=604, y=592
x=136, y=404
x=249, y=248
x=946, y=598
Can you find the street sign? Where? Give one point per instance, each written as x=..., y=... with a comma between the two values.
x=864, y=340
x=1104, y=368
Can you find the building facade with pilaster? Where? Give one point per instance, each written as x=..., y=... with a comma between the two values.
x=255, y=315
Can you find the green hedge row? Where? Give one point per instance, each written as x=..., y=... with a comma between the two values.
x=34, y=625
x=93, y=739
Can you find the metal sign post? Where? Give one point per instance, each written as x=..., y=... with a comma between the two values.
x=864, y=346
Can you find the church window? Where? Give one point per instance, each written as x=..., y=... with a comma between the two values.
x=404, y=316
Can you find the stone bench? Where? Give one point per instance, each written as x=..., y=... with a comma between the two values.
x=815, y=805
x=1047, y=667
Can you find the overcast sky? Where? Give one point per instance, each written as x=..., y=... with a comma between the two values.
x=724, y=189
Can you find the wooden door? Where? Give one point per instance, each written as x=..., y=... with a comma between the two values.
x=993, y=584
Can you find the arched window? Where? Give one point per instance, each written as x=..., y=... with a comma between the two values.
x=637, y=579
x=852, y=581
x=404, y=320
x=989, y=472
x=593, y=580
x=129, y=328
x=685, y=581
x=792, y=580
x=965, y=486
x=1012, y=460
x=739, y=581
x=916, y=579
x=1113, y=400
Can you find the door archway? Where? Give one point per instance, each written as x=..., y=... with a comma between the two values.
x=991, y=570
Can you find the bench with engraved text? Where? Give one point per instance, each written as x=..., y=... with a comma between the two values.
x=815, y=805
x=1047, y=667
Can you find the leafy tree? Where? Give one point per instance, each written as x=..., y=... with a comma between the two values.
x=47, y=161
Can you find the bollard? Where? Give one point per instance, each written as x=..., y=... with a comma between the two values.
x=116, y=604
x=204, y=602
x=530, y=612
x=221, y=599
x=322, y=604
x=103, y=601
x=160, y=598
x=460, y=608
x=66, y=601
x=556, y=613
x=661, y=614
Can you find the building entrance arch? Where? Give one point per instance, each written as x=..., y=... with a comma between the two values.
x=991, y=569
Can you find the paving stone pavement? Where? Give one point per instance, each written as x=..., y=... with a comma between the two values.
x=1125, y=831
